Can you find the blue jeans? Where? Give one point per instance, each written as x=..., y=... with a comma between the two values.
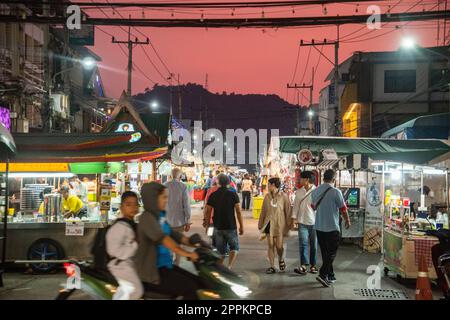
x=307, y=241
x=226, y=240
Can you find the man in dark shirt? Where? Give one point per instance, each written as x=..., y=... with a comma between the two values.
x=225, y=202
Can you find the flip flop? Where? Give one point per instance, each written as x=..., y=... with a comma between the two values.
x=270, y=270
x=302, y=270
x=282, y=265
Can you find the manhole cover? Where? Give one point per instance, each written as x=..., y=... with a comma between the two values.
x=381, y=294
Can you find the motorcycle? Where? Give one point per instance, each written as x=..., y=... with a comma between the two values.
x=219, y=282
x=441, y=259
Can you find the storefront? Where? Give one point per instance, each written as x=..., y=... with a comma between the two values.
x=383, y=182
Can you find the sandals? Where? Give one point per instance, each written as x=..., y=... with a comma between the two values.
x=302, y=270
x=282, y=265
x=313, y=270
x=270, y=270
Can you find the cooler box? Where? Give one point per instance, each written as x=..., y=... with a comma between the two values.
x=257, y=206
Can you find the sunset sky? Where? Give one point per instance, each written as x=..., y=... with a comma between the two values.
x=249, y=60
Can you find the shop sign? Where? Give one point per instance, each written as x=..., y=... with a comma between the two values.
x=35, y=167
x=125, y=127
x=75, y=228
x=135, y=137
x=105, y=197
x=373, y=224
x=329, y=154
x=304, y=156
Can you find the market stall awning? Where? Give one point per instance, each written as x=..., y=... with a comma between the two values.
x=435, y=126
x=7, y=145
x=413, y=151
x=70, y=148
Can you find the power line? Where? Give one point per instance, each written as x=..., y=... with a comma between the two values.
x=154, y=66
x=153, y=47
x=231, y=23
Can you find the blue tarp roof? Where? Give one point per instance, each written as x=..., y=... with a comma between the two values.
x=435, y=126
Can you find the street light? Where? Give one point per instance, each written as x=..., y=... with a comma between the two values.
x=87, y=63
x=408, y=43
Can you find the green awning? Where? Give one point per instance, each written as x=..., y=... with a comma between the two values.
x=96, y=167
x=408, y=151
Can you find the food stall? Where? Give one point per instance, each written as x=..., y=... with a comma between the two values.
x=408, y=212
x=386, y=192
x=100, y=160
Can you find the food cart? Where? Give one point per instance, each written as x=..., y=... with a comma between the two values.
x=389, y=226
x=43, y=240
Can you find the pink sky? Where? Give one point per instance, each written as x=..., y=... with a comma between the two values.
x=247, y=60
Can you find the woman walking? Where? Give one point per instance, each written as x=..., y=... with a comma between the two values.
x=247, y=187
x=275, y=222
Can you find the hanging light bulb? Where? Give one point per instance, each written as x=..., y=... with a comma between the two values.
x=293, y=10
x=172, y=15
x=202, y=17
x=232, y=12
x=262, y=14
x=357, y=8
x=324, y=10
x=114, y=12
x=389, y=11
x=143, y=14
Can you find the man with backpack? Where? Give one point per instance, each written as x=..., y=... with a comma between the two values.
x=121, y=246
x=328, y=203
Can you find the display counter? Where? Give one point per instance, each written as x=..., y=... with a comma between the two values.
x=402, y=253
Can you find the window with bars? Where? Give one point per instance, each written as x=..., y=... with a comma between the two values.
x=398, y=81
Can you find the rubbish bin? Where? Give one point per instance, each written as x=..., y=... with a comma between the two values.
x=257, y=206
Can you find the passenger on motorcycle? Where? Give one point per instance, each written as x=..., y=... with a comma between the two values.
x=121, y=246
x=157, y=243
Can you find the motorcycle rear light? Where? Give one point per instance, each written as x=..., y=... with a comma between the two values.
x=70, y=269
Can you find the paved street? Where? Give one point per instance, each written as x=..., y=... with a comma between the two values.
x=350, y=267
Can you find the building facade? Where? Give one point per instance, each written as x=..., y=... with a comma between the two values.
x=384, y=89
x=43, y=85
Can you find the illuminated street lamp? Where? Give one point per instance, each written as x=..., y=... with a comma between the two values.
x=154, y=105
x=88, y=63
x=408, y=43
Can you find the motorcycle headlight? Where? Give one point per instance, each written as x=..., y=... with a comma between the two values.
x=241, y=291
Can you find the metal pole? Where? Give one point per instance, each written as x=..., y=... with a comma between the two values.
x=336, y=81
x=5, y=225
x=130, y=61
x=311, y=102
x=447, y=192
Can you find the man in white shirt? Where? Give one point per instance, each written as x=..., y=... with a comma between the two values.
x=304, y=218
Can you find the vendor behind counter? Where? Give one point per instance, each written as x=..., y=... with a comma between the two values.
x=72, y=205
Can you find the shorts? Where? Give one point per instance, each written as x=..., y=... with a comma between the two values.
x=226, y=238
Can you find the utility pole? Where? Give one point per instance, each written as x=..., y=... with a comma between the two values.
x=130, y=43
x=206, y=101
x=336, y=68
x=179, y=98
x=310, y=87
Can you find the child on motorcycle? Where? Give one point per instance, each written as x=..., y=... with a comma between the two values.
x=121, y=245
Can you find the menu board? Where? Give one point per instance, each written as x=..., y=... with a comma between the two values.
x=373, y=227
